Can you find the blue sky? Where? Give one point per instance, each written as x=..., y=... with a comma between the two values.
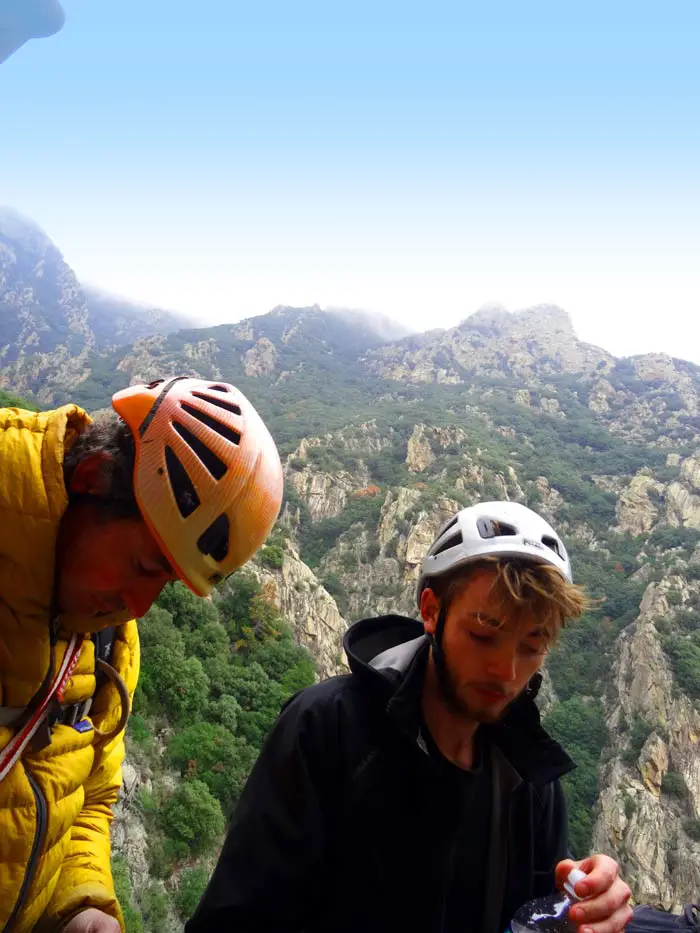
x=417, y=160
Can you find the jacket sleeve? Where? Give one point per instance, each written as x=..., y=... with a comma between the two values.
x=270, y=875
x=552, y=839
x=86, y=876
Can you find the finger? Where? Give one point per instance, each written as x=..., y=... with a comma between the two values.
x=108, y=925
x=563, y=870
x=614, y=924
x=601, y=875
x=601, y=907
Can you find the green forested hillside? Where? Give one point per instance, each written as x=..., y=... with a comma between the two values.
x=214, y=676
x=381, y=441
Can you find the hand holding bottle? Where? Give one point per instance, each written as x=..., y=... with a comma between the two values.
x=550, y=914
x=606, y=906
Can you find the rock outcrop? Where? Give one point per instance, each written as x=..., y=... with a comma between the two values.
x=528, y=344
x=636, y=508
x=638, y=820
x=261, y=359
x=309, y=609
x=419, y=455
x=683, y=496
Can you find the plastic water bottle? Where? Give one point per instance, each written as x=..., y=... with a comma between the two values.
x=549, y=914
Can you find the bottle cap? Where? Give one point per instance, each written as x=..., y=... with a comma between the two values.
x=575, y=875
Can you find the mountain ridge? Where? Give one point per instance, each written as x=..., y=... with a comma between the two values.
x=382, y=441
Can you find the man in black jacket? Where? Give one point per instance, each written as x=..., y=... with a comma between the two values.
x=420, y=792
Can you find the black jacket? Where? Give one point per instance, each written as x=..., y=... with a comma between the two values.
x=348, y=825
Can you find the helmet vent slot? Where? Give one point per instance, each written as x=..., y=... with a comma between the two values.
x=553, y=544
x=219, y=402
x=184, y=492
x=223, y=429
x=214, y=541
x=450, y=524
x=216, y=467
x=451, y=542
x=490, y=528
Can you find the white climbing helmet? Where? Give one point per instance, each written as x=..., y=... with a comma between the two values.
x=493, y=529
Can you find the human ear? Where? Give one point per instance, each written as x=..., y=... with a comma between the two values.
x=429, y=610
x=91, y=475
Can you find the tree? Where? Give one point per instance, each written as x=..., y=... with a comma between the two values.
x=174, y=684
x=188, y=611
x=260, y=698
x=235, y=603
x=279, y=656
x=580, y=727
x=193, y=817
x=225, y=710
x=209, y=640
x=251, y=616
x=211, y=754
x=8, y=400
x=639, y=733
x=217, y=670
x=272, y=556
x=193, y=882
x=685, y=661
x=154, y=903
x=122, y=886
x=157, y=628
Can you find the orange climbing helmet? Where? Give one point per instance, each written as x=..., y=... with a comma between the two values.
x=207, y=474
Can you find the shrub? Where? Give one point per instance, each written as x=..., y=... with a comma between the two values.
x=685, y=662
x=639, y=733
x=692, y=829
x=674, y=784
x=154, y=903
x=580, y=727
x=122, y=886
x=193, y=881
x=212, y=755
x=138, y=730
x=272, y=556
x=192, y=817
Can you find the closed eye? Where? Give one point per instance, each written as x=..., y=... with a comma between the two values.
x=531, y=651
x=481, y=639
x=150, y=572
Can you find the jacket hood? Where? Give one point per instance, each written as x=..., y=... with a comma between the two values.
x=33, y=500
x=382, y=649
x=386, y=653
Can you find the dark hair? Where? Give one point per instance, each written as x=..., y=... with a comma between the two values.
x=107, y=434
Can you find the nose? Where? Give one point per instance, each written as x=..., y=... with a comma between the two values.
x=139, y=598
x=501, y=664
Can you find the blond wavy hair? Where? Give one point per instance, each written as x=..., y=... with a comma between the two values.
x=538, y=588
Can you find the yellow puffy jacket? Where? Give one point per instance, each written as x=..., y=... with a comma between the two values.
x=55, y=804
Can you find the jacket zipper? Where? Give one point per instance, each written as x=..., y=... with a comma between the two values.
x=37, y=845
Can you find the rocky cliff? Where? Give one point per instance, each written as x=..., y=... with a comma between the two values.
x=650, y=783
x=52, y=330
x=311, y=611
x=382, y=441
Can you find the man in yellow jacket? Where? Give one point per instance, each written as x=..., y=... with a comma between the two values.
x=94, y=520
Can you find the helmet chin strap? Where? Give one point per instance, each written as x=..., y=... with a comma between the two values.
x=445, y=685
x=436, y=639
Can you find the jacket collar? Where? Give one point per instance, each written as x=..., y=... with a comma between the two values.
x=33, y=499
